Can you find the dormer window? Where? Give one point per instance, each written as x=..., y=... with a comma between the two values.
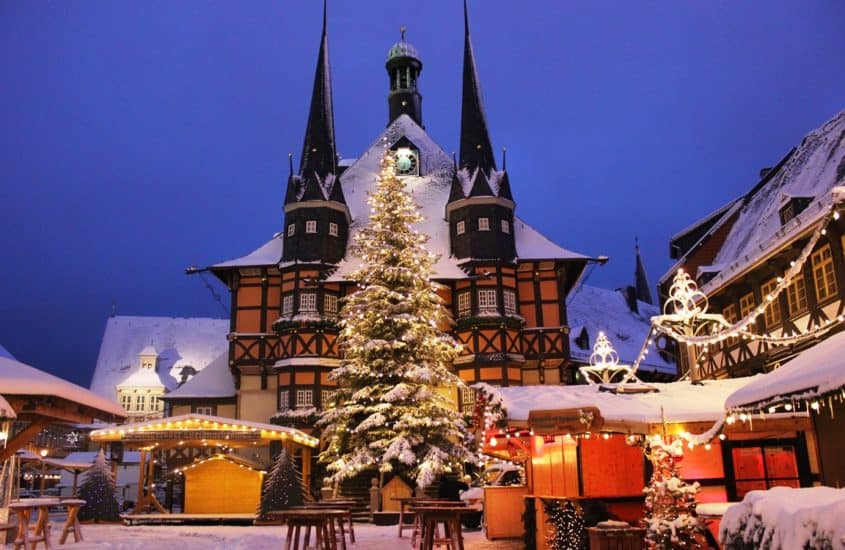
x=311, y=226
x=484, y=224
x=795, y=206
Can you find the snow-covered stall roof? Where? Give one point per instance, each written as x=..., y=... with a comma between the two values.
x=215, y=380
x=815, y=372
x=430, y=191
x=180, y=342
x=812, y=171
x=203, y=425
x=676, y=402
x=17, y=378
x=603, y=310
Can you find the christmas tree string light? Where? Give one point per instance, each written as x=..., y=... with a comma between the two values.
x=391, y=415
x=98, y=492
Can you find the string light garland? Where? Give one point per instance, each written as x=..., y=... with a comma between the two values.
x=604, y=364
x=566, y=520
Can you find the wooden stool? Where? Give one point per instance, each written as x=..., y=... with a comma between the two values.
x=72, y=522
x=450, y=518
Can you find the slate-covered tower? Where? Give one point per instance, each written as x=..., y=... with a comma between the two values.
x=403, y=69
x=316, y=216
x=480, y=209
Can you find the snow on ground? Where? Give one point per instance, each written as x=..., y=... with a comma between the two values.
x=231, y=537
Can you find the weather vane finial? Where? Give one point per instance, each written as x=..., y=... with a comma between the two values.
x=402, y=30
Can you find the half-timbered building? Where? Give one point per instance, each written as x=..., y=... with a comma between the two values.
x=740, y=255
x=504, y=283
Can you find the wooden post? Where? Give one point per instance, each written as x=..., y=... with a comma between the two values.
x=306, y=469
x=142, y=470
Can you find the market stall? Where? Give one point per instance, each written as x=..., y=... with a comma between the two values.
x=204, y=438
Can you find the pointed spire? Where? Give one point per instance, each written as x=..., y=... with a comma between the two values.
x=318, y=150
x=476, y=148
x=480, y=186
x=641, y=285
x=293, y=183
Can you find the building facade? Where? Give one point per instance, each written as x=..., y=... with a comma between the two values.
x=504, y=283
x=772, y=263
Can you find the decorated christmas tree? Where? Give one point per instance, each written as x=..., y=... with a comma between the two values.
x=282, y=488
x=393, y=413
x=670, y=501
x=97, y=490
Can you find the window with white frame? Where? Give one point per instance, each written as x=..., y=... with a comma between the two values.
x=461, y=227
x=207, y=410
x=308, y=301
x=311, y=226
x=291, y=229
x=467, y=400
x=327, y=398
x=284, y=400
x=154, y=403
x=510, y=301
x=140, y=402
x=126, y=401
x=823, y=274
x=287, y=304
x=333, y=229
x=484, y=224
x=330, y=305
x=506, y=226
x=304, y=399
x=487, y=300
x=464, y=304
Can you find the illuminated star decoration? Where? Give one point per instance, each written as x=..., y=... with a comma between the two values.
x=604, y=364
x=72, y=438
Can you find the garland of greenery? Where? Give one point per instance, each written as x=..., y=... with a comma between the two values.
x=509, y=321
x=282, y=325
x=567, y=522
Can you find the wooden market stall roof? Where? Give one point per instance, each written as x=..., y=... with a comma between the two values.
x=632, y=409
x=6, y=411
x=41, y=398
x=199, y=430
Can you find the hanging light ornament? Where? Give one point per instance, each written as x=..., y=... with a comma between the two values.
x=604, y=364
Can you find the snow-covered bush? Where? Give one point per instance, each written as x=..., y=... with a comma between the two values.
x=786, y=518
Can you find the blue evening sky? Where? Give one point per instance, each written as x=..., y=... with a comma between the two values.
x=141, y=137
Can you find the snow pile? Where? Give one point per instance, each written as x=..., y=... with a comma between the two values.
x=786, y=518
x=813, y=373
x=601, y=310
x=182, y=343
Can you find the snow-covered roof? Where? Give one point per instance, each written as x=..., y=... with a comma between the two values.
x=215, y=380
x=813, y=170
x=88, y=457
x=269, y=253
x=142, y=378
x=6, y=410
x=67, y=463
x=430, y=191
x=816, y=371
x=17, y=378
x=603, y=310
x=180, y=342
x=674, y=401
x=148, y=350
x=5, y=353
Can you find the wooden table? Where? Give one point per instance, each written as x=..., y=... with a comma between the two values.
x=72, y=505
x=430, y=514
x=341, y=504
x=322, y=519
x=23, y=509
x=407, y=502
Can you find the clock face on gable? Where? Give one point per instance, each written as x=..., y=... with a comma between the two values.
x=407, y=162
